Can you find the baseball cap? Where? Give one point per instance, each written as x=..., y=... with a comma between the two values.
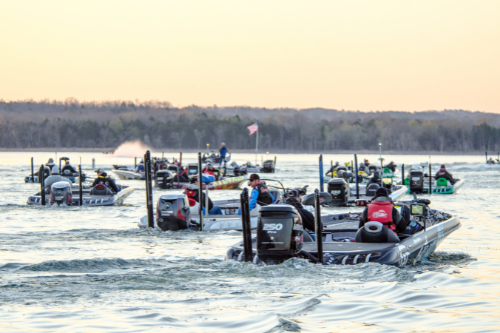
x=254, y=176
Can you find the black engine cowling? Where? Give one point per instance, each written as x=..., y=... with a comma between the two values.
x=416, y=182
x=268, y=166
x=163, y=179
x=279, y=233
x=172, y=212
x=339, y=190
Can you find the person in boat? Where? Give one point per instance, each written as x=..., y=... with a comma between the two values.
x=140, y=167
x=381, y=209
x=367, y=163
x=332, y=169
x=183, y=176
x=391, y=166
x=193, y=192
x=293, y=198
x=375, y=179
x=103, y=178
x=55, y=177
x=68, y=166
x=222, y=153
x=260, y=193
x=443, y=173
x=209, y=169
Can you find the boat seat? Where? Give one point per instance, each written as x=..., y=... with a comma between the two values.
x=101, y=189
x=375, y=232
x=307, y=237
x=442, y=182
x=372, y=189
x=276, y=195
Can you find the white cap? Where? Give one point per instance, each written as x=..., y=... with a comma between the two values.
x=55, y=170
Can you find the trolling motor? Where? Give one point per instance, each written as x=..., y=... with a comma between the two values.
x=60, y=193
x=172, y=212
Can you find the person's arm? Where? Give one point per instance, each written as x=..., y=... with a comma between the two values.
x=254, y=195
x=113, y=185
x=96, y=181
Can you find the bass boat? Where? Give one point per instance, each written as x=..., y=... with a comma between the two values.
x=280, y=236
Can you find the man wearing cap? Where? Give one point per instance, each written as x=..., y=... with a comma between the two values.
x=293, y=198
x=381, y=209
x=260, y=193
x=443, y=173
x=103, y=178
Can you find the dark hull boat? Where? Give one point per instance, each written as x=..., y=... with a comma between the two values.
x=280, y=237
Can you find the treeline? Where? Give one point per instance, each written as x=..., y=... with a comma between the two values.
x=73, y=124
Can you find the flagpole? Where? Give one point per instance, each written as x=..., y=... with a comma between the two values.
x=256, y=146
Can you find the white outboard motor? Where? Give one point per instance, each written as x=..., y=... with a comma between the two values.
x=60, y=193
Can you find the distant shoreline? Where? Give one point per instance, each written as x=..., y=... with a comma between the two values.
x=252, y=151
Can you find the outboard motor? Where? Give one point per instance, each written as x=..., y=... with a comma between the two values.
x=60, y=193
x=192, y=169
x=172, y=212
x=372, y=169
x=279, y=233
x=163, y=179
x=268, y=166
x=339, y=190
x=375, y=232
x=416, y=182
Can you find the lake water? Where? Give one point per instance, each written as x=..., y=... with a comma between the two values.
x=71, y=269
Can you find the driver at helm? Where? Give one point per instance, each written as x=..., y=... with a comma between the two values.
x=260, y=193
x=69, y=167
x=443, y=173
x=103, y=178
x=381, y=209
x=55, y=177
x=139, y=168
x=293, y=198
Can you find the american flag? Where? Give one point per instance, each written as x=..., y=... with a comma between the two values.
x=253, y=128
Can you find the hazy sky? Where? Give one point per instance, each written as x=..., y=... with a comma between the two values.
x=353, y=55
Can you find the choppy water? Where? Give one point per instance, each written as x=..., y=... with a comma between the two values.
x=92, y=269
